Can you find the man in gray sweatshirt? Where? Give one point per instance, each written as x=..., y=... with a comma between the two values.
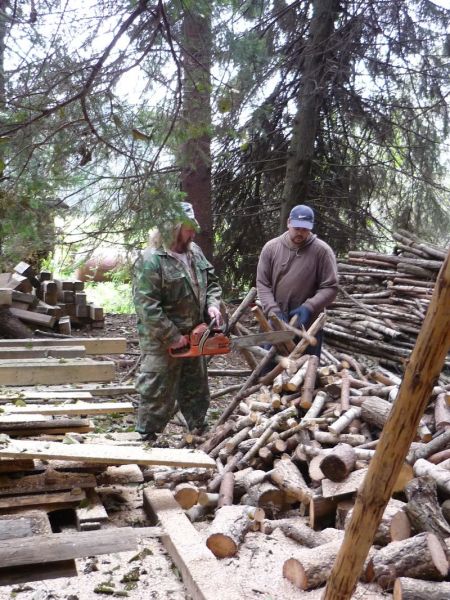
x=297, y=273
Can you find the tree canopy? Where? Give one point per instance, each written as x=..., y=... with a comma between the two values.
x=115, y=110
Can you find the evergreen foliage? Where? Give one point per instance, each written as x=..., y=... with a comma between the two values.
x=92, y=118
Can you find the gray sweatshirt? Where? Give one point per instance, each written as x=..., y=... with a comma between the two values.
x=288, y=275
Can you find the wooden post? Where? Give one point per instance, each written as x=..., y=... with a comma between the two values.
x=422, y=370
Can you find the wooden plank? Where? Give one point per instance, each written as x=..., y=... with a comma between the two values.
x=78, y=408
x=64, y=392
x=32, y=317
x=93, y=345
x=30, y=394
x=36, y=371
x=57, y=499
x=26, y=524
x=48, y=481
x=64, y=546
x=93, y=512
x=42, y=352
x=13, y=465
x=105, y=454
x=40, y=425
x=203, y=575
x=333, y=489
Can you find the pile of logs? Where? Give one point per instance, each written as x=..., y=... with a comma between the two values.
x=292, y=450
x=293, y=458
x=383, y=299
x=40, y=301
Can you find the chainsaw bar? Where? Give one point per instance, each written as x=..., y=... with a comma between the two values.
x=268, y=337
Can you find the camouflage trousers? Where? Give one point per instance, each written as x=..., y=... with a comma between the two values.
x=169, y=384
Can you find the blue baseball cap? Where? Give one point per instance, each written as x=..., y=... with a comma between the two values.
x=302, y=216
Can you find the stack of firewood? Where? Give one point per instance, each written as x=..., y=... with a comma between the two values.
x=292, y=449
x=383, y=299
x=40, y=301
x=293, y=457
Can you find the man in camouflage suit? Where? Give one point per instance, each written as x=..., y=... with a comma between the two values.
x=174, y=289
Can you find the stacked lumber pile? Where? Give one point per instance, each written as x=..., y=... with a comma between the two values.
x=41, y=301
x=383, y=299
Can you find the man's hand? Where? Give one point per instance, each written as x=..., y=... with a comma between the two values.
x=215, y=313
x=181, y=342
x=303, y=315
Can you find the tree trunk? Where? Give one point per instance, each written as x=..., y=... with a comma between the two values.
x=306, y=121
x=196, y=151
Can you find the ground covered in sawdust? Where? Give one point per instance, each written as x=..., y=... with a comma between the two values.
x=149, y=573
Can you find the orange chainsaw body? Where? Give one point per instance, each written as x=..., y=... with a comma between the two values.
x=203, y=341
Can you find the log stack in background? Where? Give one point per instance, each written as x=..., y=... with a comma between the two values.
x=383, y=299
x=40, y=301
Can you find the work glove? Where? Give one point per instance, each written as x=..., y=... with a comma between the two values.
x=303, y=315
x=215, y=313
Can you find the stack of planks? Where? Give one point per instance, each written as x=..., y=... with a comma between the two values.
x=383, y=299
x=40, y=301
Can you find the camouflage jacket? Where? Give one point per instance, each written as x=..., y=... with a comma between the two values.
x=167, y=302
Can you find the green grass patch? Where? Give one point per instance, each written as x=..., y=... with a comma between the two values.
x=113, y=297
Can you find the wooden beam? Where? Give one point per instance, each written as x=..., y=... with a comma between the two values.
x=203, y=575
x=50, y=501
x=93, y=345
x=35, y=371
x=78, y=408
x=48, y=481
x=106, y=454
x=34, y=318
x=30, y=395
x=63, y=546
x=421, y=372
x=14, y=353
x=27, y=524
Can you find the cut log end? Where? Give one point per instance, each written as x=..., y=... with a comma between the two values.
x=295, y=573
x=221, y=545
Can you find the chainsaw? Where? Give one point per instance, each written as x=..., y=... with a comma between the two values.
x=206, y=340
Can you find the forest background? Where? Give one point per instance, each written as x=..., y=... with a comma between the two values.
x=113, y=110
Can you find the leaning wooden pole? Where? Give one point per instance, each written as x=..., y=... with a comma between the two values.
x=421, y=373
